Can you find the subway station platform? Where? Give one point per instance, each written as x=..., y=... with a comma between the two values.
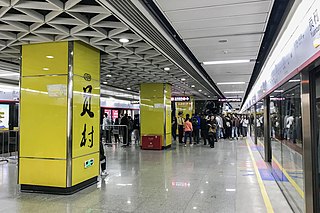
x=232, y=177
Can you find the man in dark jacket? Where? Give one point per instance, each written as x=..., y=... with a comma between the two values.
x=136, y=129
x=125, y=130
x=195, y=120
x=204, y=129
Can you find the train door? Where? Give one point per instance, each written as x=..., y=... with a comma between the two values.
x=315, y=113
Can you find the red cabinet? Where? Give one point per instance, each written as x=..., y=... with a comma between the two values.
x=151, y=142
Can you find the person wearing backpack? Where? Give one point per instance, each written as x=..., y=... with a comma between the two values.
x=196, y=126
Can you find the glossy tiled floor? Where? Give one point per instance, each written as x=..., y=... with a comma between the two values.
x=182, y=179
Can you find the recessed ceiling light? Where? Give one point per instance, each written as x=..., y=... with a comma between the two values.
x=200, y=90
x=232, y=92
x=108, y=76
x=45, y=69
x=193, y=86
x=166, y=68
x=226, y=62
x=205, y=93
x=105, y=82
x=124, y=40
x=49, y=56
x=208, y=96
x=278, y=91
x=128, y=88
x=223, y=41
x=183, y=79
x=230, y=83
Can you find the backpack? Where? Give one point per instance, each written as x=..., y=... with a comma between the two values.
x=195, y=121
x=228, y=124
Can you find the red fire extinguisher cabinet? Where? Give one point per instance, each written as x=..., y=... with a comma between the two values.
x=151, y=142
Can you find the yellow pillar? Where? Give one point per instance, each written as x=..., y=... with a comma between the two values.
x=59, y=117
x=155, y=111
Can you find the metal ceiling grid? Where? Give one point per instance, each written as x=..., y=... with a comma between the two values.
x=129, y=64
x=217, y=30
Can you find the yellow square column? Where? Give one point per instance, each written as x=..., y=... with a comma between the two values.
x=59, y=117
x=155, y=111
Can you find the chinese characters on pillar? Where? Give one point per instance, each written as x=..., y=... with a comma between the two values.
x=87, y=133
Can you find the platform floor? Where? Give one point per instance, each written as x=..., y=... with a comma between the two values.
x=181, y=179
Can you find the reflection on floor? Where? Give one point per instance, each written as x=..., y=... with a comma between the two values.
x=182, y=179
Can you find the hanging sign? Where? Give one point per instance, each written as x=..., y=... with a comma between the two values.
x=181, y=98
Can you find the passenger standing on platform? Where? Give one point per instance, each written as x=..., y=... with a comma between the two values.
x=235, y=126
x=196, y=127
x=212, y=131
x=188, y=130
x=125, y=129
x=109, y=128
x=245, y=123
x=228, y=127
x=204, y=129
x=136, y=129
x=104, y=127
x=103, y=161
x=240, y=118
x=116, y=131
x=219, y=127
x=180, y=122
x=130, y=129
x=174, y=127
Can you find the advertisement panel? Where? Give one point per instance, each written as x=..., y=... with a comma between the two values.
x=4, y=116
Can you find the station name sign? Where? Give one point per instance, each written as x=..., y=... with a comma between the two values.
x=181, y=98
x=230, y=99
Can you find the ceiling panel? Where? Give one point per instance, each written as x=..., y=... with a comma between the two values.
x=237, y=69
x=233, y=87
x=197, y=13
x=189, y=4
x=230, y=77
x=222, y=31
x=220, y=22
x=232, y=41
x=221, y=56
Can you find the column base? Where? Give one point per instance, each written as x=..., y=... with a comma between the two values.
x=58, y=190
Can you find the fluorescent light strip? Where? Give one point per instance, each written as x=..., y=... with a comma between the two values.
x=230, y=83
x=233, y=92
x=226, y=62
x=294, y=80
x=9, y=74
